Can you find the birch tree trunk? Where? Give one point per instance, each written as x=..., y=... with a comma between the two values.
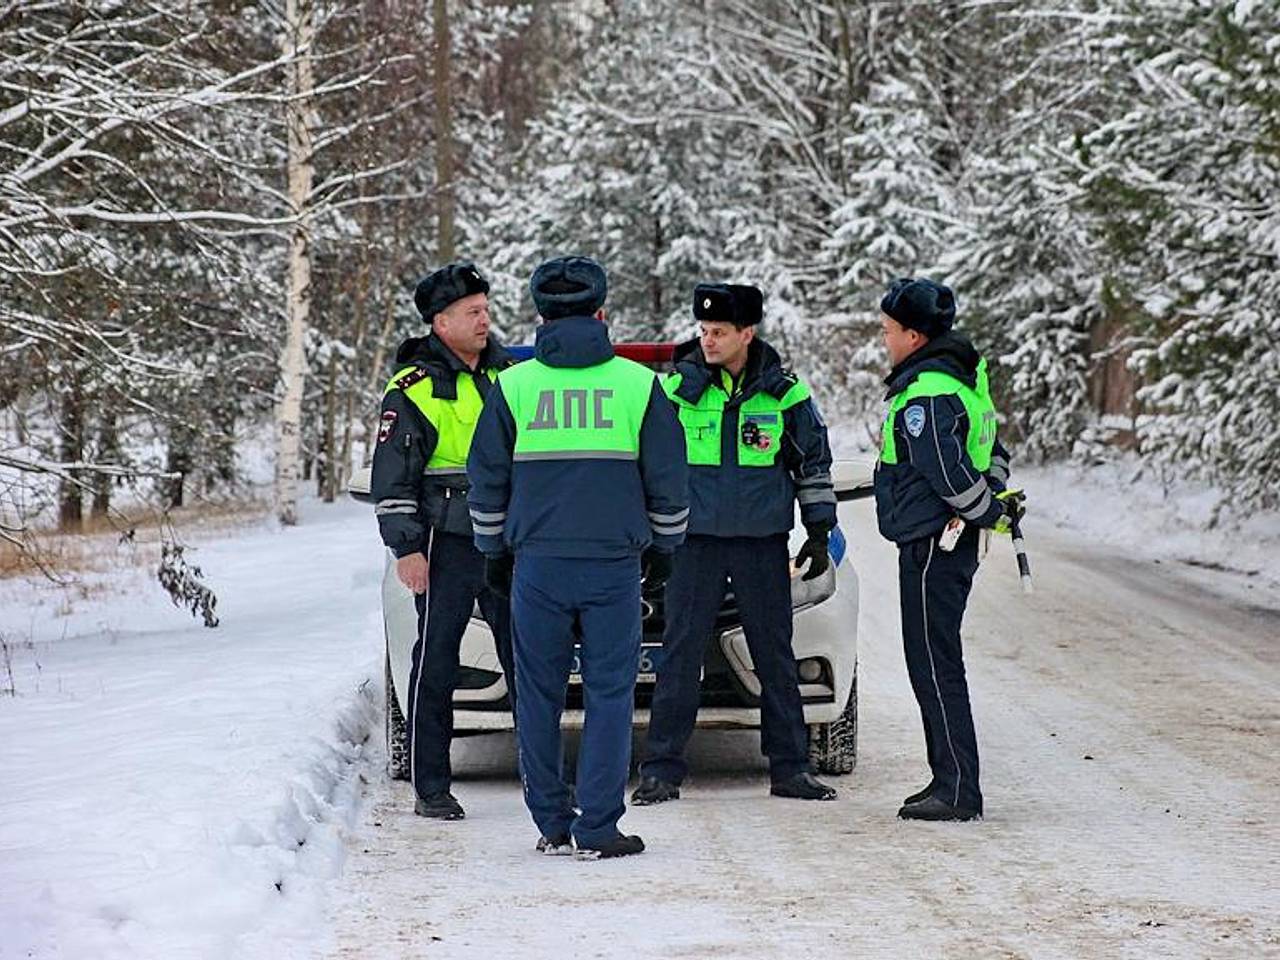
x=299, y=114
x=444, y=134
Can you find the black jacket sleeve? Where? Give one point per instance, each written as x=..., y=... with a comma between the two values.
x=807, y=455
x=405, y=443
x=664, y=471
x=998, y=472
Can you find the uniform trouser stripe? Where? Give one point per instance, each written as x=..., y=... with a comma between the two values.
x=487, y=529
x=933, y=671
x=934, y=590
x=457, y=588
x=669, y=530
x=479, y=516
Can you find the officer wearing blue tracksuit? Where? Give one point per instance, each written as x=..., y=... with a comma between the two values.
x=756, y=445
x=579, y=483
x=940, y=465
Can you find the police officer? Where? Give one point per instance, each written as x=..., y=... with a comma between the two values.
x=429, y=412
x=577, y=466
x=940, y=478
x=756, y=444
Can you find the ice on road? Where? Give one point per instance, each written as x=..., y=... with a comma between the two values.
x=1128, y=722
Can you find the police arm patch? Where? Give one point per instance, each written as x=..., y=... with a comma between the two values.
x=387, y=425
x=913, y=417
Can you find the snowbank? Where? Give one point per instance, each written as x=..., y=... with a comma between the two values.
x=172, y=791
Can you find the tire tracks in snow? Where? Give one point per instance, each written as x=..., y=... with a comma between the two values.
x=1162, y=844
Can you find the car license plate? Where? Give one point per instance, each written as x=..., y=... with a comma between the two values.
x=646, y=666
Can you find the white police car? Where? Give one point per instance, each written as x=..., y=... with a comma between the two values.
x=825, y=644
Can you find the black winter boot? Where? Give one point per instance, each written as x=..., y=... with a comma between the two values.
x=560, y=845
x=652, y=790
x=439, y=806
x=619, y=846
x=931, y=808
x=919, y=795
x=803, y=786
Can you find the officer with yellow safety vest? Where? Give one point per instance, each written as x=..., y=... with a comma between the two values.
x=941, y=477
x=578, y=479
x=429, y=412
x=756, y=446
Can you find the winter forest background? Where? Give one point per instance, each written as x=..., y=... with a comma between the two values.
x=212, y=214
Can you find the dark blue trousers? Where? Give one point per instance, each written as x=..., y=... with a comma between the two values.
x=548, y=595
x=758, y=568
x=934, y=588
x=455, y=583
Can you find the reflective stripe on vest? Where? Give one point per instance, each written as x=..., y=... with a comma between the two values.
x=454, y=420
x=977, y=405
x=577, y=413
x=703, y=421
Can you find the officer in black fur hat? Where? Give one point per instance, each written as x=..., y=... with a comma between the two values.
x=941, y=477
x=419, y=486
x=756, y=445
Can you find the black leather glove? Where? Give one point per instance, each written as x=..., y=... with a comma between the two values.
x=497, y=573
x=815, y=552
x=655, y=568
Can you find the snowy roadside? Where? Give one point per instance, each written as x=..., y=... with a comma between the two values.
x=1125, y=505
x=172, y=791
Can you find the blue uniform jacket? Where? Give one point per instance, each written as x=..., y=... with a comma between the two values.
x=578, y=508
x=736, y=501
x=916, y=496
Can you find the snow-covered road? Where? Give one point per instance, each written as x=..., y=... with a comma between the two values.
x=1130, y=727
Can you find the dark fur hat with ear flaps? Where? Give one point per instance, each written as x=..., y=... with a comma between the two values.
x=442, y=287
x=568, y=287
x=921, y=305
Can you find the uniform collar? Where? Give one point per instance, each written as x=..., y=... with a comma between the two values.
x=763, y=372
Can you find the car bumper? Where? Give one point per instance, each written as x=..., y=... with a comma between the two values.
x=826, y=632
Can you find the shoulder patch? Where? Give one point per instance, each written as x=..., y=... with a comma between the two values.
x=387, y=425
x=913, y=417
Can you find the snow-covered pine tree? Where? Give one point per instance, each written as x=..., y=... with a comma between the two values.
x=1199, y=156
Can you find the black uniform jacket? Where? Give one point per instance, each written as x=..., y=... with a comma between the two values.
x=408, y=503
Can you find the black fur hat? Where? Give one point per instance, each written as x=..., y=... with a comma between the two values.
x=568, y=287
x=437, y=290
x=735, y=303
x=921, y=305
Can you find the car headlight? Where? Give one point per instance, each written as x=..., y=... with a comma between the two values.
x=807, y=593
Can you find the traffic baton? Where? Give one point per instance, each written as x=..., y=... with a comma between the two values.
x=1020, y=551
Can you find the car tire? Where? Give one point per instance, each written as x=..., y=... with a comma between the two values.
x=833, y=747
x=397, y=748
